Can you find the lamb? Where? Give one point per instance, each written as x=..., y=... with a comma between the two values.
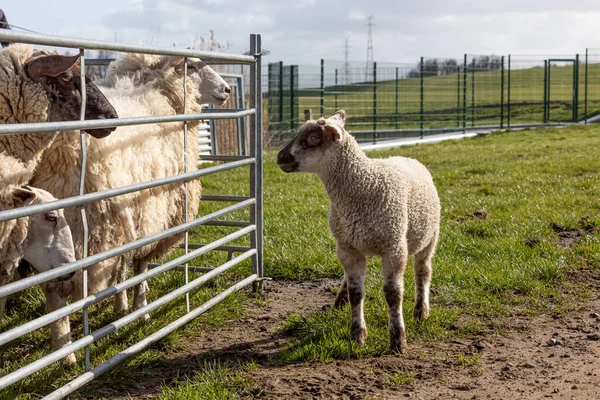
x=140, y=85
x=388, y=208
x=42, y=239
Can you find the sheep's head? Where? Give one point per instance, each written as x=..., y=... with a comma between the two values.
x=60, y=77
x=212, y=89
x=48, y=243
x=314, y=141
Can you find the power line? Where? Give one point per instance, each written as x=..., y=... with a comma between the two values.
x=370, y=61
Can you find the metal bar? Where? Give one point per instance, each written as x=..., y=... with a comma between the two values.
x=458, y=97
x=35, y=366
x=194, y=246
x=322, y=87
x=185, y=170
x=422, y=112
x=397, y=111
x=259, y=169
x=224, y=157
x=473, y=93
x=9, y=336
x=335, y=93
x=90, y=197
x=254, y=93
x=292, y=108
x=548, y=94
x=60, y=41
x=465, y=95
x=141, y=345
x=182, y=268
x=227, y=223
x=545, y=90
x=585, y=106
x=241, y=122
x=374, y=102
x=210, y=197
x=53, y=273
x=280, y=91
x=38, y=127
x=576, y=88
x=508, y=94
x=502, y=94
x=84, y=224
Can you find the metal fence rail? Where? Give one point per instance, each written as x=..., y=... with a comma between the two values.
x=248, y=154
x=434, y=95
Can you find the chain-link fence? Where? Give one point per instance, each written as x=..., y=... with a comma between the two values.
x=435, y=95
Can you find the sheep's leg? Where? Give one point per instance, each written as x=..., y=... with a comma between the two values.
x=139, y=296
x=120, y=300
x=56, y=297
x=423, y=268
x=393, y=288
x=342, y=295
x=355, y=267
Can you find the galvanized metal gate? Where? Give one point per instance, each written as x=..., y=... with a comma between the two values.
x=253, y=227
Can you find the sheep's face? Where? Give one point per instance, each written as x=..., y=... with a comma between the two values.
x=60, y=77
x=312, y=145
x=48, y=243
x=212, y=89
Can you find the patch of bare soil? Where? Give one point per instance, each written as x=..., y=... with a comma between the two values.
x=548, y=356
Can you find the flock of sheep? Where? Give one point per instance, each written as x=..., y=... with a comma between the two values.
x=38, y=87
x=388, y=208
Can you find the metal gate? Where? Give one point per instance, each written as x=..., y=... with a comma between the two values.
x=252, y=227
x=561, y=84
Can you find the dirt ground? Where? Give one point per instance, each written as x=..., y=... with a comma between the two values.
x=556, y=357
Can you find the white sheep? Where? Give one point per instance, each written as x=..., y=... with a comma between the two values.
x=385, y=207
x=44, y=239
x=142, y=85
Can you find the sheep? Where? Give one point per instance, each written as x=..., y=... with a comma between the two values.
x=37, y=87
x=389, y=208
x=44, y=240
x=140, y=85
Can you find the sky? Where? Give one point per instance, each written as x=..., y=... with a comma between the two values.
x=303, y=31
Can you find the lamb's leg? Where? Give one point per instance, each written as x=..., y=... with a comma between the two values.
x=423, y=268
x=120, y=300
x=342, y=295
x=139, y=294
x=393, y=288
x=355, y=268
x=56, y=297
x=4, y=280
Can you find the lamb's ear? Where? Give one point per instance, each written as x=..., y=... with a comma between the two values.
x=23, y=196
x=339, y=118
x=333, y=132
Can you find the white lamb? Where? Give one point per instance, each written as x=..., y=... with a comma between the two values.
x=388, y=208
x=143, y=85
x=42, y=239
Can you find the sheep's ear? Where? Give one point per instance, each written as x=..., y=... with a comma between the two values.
x=176, y=61
x=52, y=65
x=333, y=132
x=339, y=118
x=23, y=196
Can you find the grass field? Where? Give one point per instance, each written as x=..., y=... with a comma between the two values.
x=508, y=264
x=444, y=99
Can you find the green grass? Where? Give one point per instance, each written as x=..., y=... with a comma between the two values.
x=483, y=270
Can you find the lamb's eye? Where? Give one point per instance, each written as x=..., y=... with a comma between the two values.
x=65, y=78
x=313, y=140
x=51, y=217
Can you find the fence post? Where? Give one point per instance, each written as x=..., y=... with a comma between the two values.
x=397, y=98
x=280, y=93
x=458, y=97
x=374, y=102
x=585, y=106
x=465, y=95
x=502, y=95
x=292, y=96
x=322, y=87
x=473, y=93
x=545, y=88
x=336, y=90
x=422, y=98
x=508, y=111
x=576, y=89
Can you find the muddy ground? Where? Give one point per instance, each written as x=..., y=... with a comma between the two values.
x=549, y=356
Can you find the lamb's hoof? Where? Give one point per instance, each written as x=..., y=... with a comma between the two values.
x=70, y=360
x=421, y=313
x=359, y=335
x=146, y=318
x=340, y=301
x=398, y=343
